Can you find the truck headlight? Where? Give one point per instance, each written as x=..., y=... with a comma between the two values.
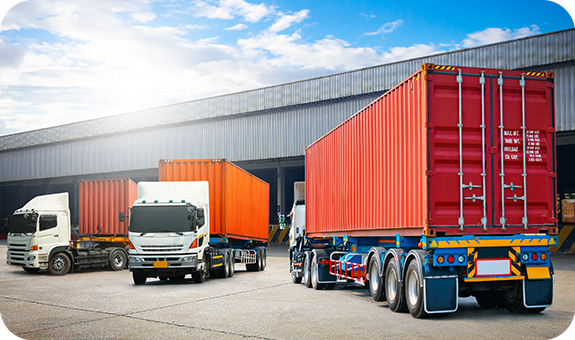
x=189, y=258
x=136, y=259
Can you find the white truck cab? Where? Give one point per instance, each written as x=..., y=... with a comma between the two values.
x=38, y=230
x=169, y=231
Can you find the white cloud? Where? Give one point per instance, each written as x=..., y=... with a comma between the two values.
x=494, y=35
x=387, y=27
x=230, y=9
x=286, y=21
x=237, y=27
x=104, y=57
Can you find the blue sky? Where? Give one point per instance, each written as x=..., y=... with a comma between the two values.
x=63, y=61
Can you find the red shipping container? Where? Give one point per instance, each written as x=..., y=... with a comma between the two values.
x=408, y=164
x=101, y=202
x=239, y=201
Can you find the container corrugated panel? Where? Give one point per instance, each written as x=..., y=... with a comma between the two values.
x=239, y=201
x=101, y=202
x=402, y=165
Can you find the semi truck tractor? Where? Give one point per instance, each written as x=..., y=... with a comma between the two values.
x=41, y=235
x=202, y=218
x=443, y=187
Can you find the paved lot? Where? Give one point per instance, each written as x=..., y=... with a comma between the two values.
x=263, y=305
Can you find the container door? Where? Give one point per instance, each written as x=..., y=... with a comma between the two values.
x=458, y=131
x=491, y=152
x=524, y=164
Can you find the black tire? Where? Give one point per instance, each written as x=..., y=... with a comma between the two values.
x=375, y=282
x=263, y=259
x=163, y=278
x=295, y=278
x=139, y=277
x=394, y=289
x=118, y=260
x=257, y=265
x=223, y=270
x=199, y=276
x=306, y=271
x=59, y=264
x=330, y=286
x=513, y=298
x=488, y=299
x=232, y=263
x=31, y=270
x=414, y=291
x=314, y=275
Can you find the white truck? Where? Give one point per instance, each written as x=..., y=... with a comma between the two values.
x=170, y=236
x=40, y=237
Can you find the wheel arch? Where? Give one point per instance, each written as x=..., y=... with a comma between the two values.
x=394, y=254
x=375, y=251
x=418, y=256
x=62, y=249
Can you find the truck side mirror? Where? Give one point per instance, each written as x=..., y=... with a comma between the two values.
x=200, y=222
x=122, y=216
x=200, y=213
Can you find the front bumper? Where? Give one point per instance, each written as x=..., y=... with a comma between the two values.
x=163, y=264
x=29, y=259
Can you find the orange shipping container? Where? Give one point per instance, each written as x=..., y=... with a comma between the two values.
x=101, y=202
x=239, y=201
x=448, y=151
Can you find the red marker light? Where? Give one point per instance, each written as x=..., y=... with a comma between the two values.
x=450, y=259
x=534, y=257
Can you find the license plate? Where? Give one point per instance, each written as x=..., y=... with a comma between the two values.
x=160, y=264
x=493, y=267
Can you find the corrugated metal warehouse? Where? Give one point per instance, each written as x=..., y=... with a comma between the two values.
x=265, y=131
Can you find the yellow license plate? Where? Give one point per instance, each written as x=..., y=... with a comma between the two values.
x=160, y=264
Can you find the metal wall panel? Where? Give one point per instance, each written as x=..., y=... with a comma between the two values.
x=269, y=134
x=544, y=49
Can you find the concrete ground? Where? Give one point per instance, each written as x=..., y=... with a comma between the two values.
x=103, y=304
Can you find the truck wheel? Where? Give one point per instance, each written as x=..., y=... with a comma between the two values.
x=258, y=264
x=375, y=281
x=224, y=269
x=263, y=259
x=306, y=271
x=199, y=276
x=330, y=286
x=31, y=270
x=394, y=288
x=232, y=264
x=488, y=299
x=513, y=298
x=118, y=260
x=314, y=275
x=139, y=277
x=414, y=291
x=59, y=264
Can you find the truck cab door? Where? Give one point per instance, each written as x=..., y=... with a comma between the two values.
x=50, y=232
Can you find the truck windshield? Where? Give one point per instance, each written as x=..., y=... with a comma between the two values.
x=160, y=219
x=23, y=223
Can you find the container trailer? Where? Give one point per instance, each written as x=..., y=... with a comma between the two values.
x=42, y=237
x=443, y=187
x=202, y=218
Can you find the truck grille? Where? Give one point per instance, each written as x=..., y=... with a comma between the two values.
x=162, y=248
x=17, y=246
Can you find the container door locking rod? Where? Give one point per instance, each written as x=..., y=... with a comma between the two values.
x=502, y=220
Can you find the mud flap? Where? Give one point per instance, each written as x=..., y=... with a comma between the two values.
x=323, y=275
x=441, y=291
x=538, y=293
